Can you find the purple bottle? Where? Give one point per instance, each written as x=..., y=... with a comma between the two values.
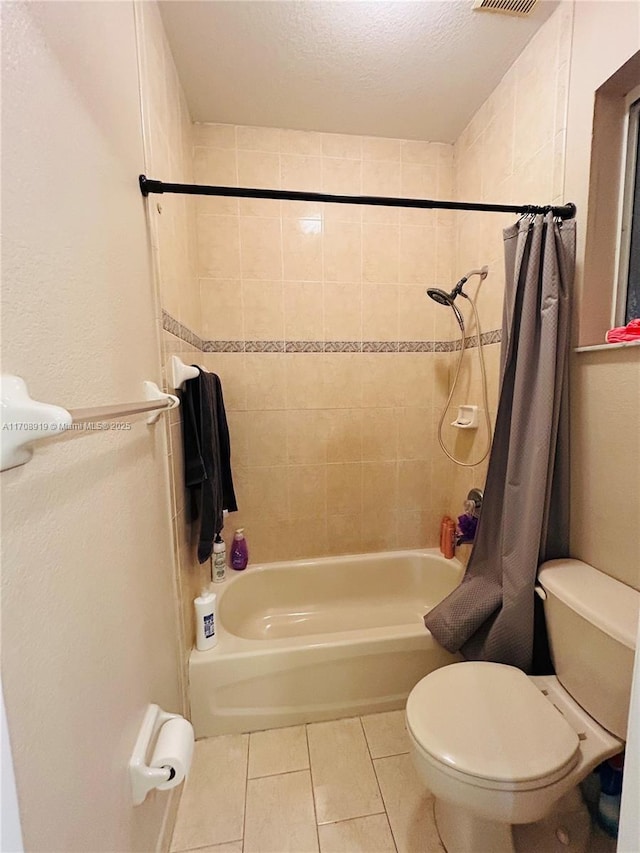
x=239, y=551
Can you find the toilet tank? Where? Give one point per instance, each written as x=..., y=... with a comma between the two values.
x=592, y=621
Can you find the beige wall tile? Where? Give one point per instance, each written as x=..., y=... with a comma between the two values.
x=344, y=534
x=215, y=166
x=414, y=484
x=267, y=492
x=409, y=806
x=415, y=432
x=381, y=178
x=415, y=315
x=258, y=169
x=278, y=751
x=380, y=436
x=344, y=784
x=386, y=733
x=258, y=138
x=261, y=244
x=218, y=247
x=341, y=176
x=342, y=312
x=307, y=436
x=380, y=312
x=303, y=310
x=265, y=380
x=380, y=253
x=307, y=491
x=263, y=310
x=302, y=249
x=344, y=435
x=371, y=834
x=377, y=148
x=197, y=824
x=305, y=380
x=379, y=486
x=266, y=438
x=342, y=251
x=280, y=815
x=379, y=531
x=419, y=528
x=344, y=488
x=300, y=142
x=222, y=317
x=342, y=380
x=419, y=181
x=214, y=135
x=414, y=151
x=300, y=172
x=417, y=255
x=341, y=145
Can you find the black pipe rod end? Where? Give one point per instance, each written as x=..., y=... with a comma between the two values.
x=572, y=210
x=142, y=181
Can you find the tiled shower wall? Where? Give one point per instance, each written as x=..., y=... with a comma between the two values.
x=324, y=339
x=172, y=228
x=511, y=152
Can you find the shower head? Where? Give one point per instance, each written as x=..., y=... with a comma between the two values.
x=440, y=296
x=444, y=298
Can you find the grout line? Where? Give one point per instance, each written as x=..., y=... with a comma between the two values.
x=313, y=790
x=246, y=789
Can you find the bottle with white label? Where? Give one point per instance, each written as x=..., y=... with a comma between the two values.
x=206, y=629
x=219, y=559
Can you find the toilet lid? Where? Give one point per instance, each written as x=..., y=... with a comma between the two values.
x=490, y=721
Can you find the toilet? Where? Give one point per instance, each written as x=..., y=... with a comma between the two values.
x=503, y=752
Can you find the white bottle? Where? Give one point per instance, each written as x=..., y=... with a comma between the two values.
x=205, y=607
x=219, y=559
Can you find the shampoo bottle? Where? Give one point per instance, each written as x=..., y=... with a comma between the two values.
x=239, y=551
x=219, y=559
x=205, y=607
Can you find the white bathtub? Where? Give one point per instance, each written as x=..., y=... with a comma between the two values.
x=319, y=639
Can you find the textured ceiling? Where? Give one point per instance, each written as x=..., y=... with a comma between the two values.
x=414, y=70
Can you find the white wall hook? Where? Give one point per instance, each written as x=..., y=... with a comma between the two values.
x=144, y=777
x=25, y=420
x=152, y=392
x=178, y=372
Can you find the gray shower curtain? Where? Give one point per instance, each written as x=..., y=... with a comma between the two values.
x=525, y=515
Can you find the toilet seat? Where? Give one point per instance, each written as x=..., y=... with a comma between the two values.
x=490, y=726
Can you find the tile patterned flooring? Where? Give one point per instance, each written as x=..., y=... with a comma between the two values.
x=345, y=786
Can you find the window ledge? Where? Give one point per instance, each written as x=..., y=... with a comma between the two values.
x=596, y=347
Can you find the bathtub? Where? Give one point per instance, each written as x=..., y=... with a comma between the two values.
x=319, y=639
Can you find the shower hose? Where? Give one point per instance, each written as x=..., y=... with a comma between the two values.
x=485, y=398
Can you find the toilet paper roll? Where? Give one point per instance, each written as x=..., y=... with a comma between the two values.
x=174, y=749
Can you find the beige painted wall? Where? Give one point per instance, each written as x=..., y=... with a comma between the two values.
x=605, y=412
x=89, y=623
x=334, y=452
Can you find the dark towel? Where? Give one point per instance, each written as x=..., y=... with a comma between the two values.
x=207, y=457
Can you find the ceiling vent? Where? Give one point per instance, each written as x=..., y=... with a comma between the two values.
x=522, y=8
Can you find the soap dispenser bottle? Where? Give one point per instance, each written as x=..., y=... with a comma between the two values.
x=205, y=607
x=239, y=551
x=219, y=559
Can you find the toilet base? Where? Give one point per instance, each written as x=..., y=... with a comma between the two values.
x=565, y=830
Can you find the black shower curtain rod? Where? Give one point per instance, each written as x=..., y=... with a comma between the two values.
x=147, y=185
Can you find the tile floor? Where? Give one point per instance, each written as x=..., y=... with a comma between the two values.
x=345, y=786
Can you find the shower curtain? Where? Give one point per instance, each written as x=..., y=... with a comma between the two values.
x=525, y=513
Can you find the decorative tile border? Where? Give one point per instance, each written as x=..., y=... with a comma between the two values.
x=304, y=346
x=175, y=327
x=170, y=324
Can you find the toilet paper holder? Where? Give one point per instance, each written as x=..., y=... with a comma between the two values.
x=143, y=777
